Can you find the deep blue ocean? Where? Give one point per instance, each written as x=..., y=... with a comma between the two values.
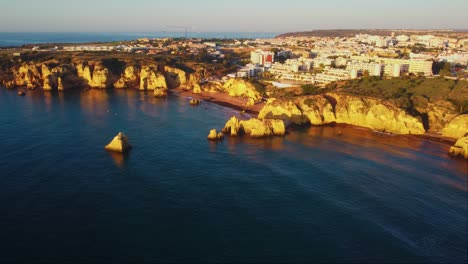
x=320, y=194
x=22, y=38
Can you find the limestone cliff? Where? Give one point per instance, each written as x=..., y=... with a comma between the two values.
x=457, y=127
x=111, y=73
x=338, y=108
x=254, y=127
x=28, y=76
x=151, y=79
x=236, y=88
x=179, y=78
x=47, y=75
x=130, y=78
x=96, y=74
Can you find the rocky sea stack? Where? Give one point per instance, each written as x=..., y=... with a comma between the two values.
x=255, y=127
x=119, y=144
x=214, y=135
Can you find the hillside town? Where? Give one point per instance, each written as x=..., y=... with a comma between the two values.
x=293, y=60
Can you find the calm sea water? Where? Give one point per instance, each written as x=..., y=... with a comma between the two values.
x=18, y=39
x=314, y=195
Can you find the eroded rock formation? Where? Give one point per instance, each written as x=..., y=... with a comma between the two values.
x=335, y=108
x=50, y=75
x=460, y=148
x=457, y=127
x=119, y=144
x=214, y=135
x=254, y=127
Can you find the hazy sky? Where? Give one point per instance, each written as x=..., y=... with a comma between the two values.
x=228, y=16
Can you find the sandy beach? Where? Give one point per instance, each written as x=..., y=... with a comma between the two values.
x=222, y=99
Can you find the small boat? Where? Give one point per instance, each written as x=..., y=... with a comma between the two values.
x=21, y=93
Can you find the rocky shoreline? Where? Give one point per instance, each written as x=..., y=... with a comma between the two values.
x=239, y=104
x=435, y=121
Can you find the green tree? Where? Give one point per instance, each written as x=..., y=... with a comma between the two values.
x=446, y=70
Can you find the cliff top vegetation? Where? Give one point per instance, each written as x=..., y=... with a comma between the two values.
x=407, y=92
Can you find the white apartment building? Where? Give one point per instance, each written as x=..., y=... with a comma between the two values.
x=250, y=71
x=328, y=78
x=411, y=66
x=374, y=69
x=298, y=77
x=261, y=57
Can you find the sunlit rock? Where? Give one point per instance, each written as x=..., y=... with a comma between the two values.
x=119, y=144
x=460, y=148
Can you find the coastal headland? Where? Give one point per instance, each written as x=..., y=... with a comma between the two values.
x=406, y=107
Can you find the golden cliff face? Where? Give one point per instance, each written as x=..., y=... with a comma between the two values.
x=28, y=76
x=130, y=78
x=45, y=76
x=49, y=75
x=334, y=108
x=254, y=127
x=151, y=79
x=96, y=74
x=457, y=127
x=242, y=88
x=234, y=87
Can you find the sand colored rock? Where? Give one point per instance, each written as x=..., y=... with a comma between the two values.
x=250, y=102
x=94, y=73
x=119, y=144
x=214, y=135
x=130, y=78
x=284, y=110
x=232, y=127
x=460, y=148
x=151, y=79
x=255, y=127
x=50, y=79
x=28, y=76
x=242, y=88
x=457, y=127
x=235, y=88
x=50, y=82
x=100, y=77
x=196, y=88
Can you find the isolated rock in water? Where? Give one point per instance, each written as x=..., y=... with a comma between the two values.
x=119, y=144
x=195, y=102
x=21, y=93
x=460, y=148
x=255, y=127
x=214, y=135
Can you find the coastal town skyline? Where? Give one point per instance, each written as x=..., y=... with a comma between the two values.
x=241, y=16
